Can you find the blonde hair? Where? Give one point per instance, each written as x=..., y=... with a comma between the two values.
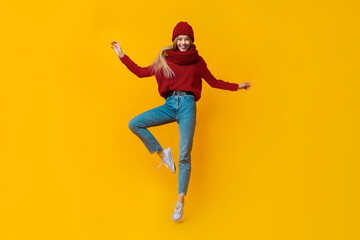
x=159, y=64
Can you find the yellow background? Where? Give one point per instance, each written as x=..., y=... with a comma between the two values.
x=280, y=161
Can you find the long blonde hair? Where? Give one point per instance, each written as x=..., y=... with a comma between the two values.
x=159, y=64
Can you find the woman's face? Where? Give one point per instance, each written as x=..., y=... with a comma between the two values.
x=183, y=42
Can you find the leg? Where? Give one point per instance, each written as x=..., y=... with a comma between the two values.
x=154, y=117
x=186, y=119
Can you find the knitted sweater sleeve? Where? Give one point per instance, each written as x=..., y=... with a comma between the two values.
x=216, y=83
x=134, y=68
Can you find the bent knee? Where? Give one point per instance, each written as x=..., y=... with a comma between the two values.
x=132, y=125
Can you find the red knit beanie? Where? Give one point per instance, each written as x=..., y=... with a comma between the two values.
x=183, y=28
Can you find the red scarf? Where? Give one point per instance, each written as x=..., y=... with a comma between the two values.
x=182, y=58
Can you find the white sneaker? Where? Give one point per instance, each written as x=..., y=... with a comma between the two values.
x=168, y=160
x=178, y=212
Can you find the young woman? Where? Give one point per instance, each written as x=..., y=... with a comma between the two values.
x=179, y=71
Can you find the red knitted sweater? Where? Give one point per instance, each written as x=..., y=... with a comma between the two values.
x=188, y=77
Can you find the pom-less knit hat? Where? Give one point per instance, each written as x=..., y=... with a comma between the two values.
x=183, y=28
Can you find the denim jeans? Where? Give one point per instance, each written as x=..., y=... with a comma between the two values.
x=182, y=109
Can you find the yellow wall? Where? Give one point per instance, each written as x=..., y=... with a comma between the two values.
x=280, y=161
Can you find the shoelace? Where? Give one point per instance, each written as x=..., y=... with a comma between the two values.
x=177, y=208
x=161, y=164
x=162, y=161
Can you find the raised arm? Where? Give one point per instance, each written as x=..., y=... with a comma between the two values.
x=217, y=83
x=133, y=67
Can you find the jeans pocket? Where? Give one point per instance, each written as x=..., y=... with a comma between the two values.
x=190, y=98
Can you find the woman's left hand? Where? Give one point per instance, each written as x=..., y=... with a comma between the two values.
x=245, y=85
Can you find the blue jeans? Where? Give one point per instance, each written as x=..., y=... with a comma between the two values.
x=182, y=109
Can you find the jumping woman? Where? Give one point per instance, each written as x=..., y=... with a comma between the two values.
x=179, y=71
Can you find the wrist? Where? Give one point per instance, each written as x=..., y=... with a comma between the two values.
x=121, y=55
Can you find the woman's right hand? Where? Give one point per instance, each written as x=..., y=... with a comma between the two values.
x=116, y=47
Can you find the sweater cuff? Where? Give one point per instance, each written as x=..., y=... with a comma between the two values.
x=123, y=58
x=236, y=87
